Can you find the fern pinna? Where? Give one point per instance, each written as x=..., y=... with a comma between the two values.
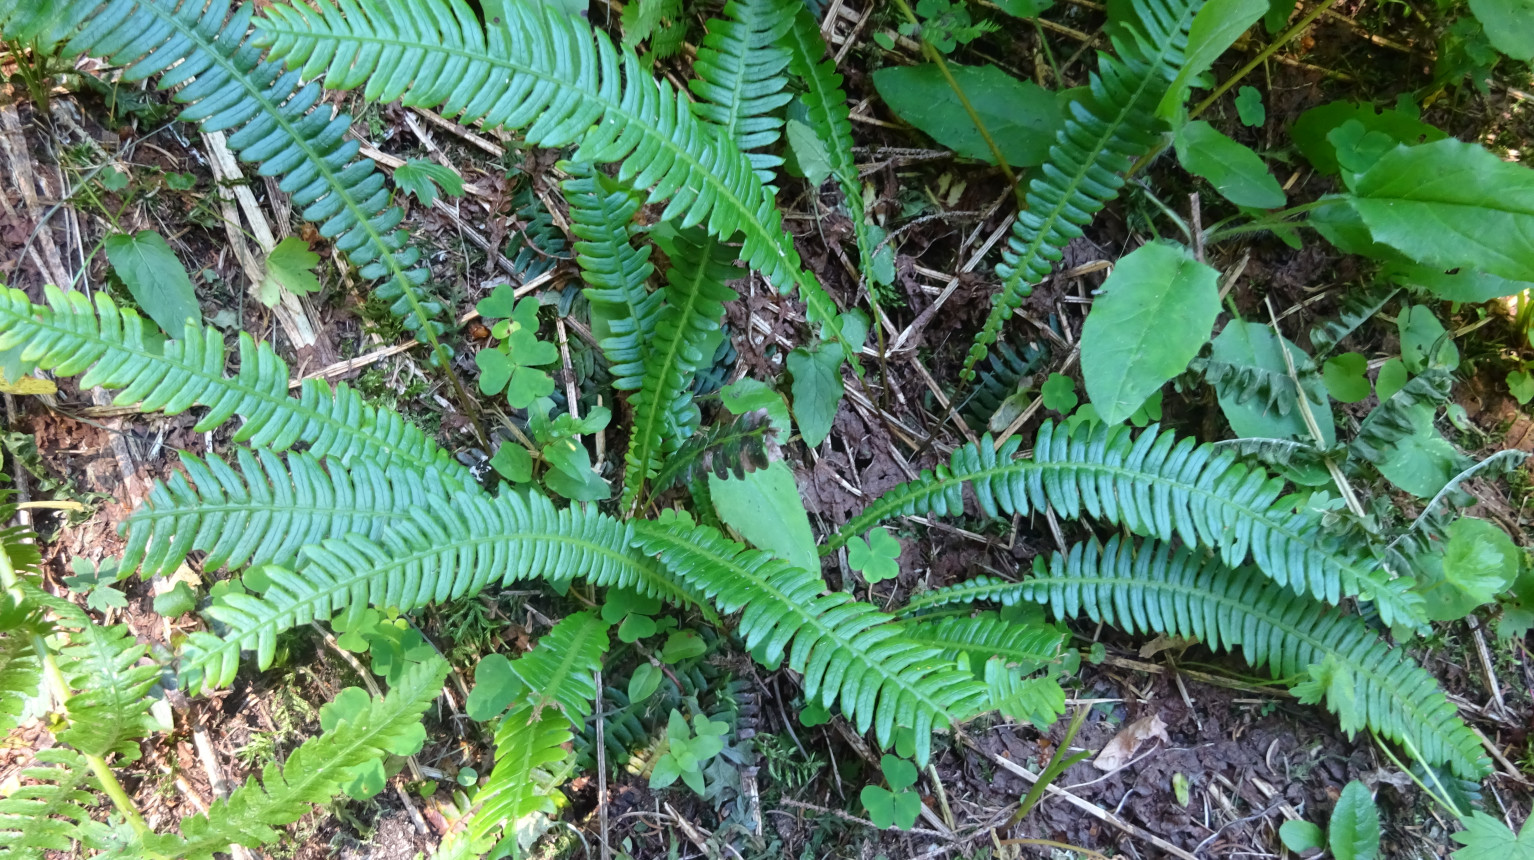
x=1159, y=486
x=1099, y=142
x=204, y=52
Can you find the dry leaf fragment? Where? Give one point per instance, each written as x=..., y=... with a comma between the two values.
x=1127, y=742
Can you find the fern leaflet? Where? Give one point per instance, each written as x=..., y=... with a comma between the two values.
x=53, y=812
x=109, y=711
x=1101, y=138
x=20, y=668
x=740, y=77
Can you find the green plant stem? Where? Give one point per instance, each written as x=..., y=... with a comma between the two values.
x=120, y=798
x=1441, y=795
x=1262, y=56
x=935, y=57
x=1058, y=763
x=1217, y=232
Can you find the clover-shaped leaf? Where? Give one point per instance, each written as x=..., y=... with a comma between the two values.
x=893, y=806
x=1059, y=393
x=688, y=750
x=496, y=686
x=501, y=303
x=876, y=558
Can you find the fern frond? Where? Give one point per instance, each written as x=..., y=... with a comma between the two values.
x=535, y=68
x=664, y=413
x=986, y=635
x=1391, y=421
x=443, y=553
x=725, y=448
x=993, y=589
x=1038, y=700
x=313, y=773
x=1358, y=307
x=1273, y=390
x=1006, y=369
x=20, y=668
x=53, y=812
x=1155, y=486
x=827, y=114
x=1157, y=589
x=740, y=77
x=623, y=309
x=846, y=651
x=108, y=345
x=108, y=710
x=276, y=120
x=1100, y=140
x=559, y=670
x=266, y=510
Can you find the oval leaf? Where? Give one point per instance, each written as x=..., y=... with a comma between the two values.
x=1154, y=314
x=1020, y=116
x=1354, y=833
x=157, y=280
x=1234, y=170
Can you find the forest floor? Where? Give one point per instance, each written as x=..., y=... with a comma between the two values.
x=1237, y=756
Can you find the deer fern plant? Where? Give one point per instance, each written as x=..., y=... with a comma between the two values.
x=329, y=508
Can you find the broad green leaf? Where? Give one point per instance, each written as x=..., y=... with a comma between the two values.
x=178, y=601
x=1480, y=559
x=1354, y=831
x=1251, y=344
x=644, y=682
x=496, y=686
x=681, y=645
x=1233, y=169
x=1452, y=204
x=1215, y=28
x=1249, y=107
x=1020, y=116
x=1486, y=837
x=899, y=773
x=512, y=462
x=421, y=178
x=765, y=508
x=1154, y=314
x=1509, y=25
x=1420, y=330
x=1345, y=377
x=1520, y=384
x=157, y=280
x=1459, y=285
x=1422, y=463
x=290, y=266
x=809, y=152
x=877, y=558
x=1301, y=836
x=635, y=628
x=1391, y=378
x=817, y=389
x=1311, y=129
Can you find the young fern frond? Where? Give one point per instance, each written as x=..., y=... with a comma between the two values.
x=623, y=309
x=846, y=651
x=1358, y=307
x=1155, y=486
x=314, y=773
x=828, y=116
x=52, y=813
x=534, y=68
x=741, y=77
x=1273, y=390
x=664, y=412
x=108, y=707
x=266, y=510
x=1155, y=589
x=531, y=742
x=109, y=346
x=446, y=552
x=1099, y=142
x=276, y=120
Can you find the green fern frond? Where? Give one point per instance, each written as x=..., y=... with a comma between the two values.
x=537, y=69
x=443, y=553
x=1037, y=700
x=664, y=413
x=726, y=448
x=827, y=114
x=20, y=669
x=1391, y=421
x=109, y=708
x=559, y=670
x=993, y=589
x=986, y=635
x=1003, y=376
x=109, y=346
x=623, y=309
x=1155, y=486
x=1156, y=589
x=275, y=120
x=266, y=510
x=1100, y=140
x=1358, y=307
x=741, y=78
x=313, y=773
x=846, y=651
x=1272, y=389
x=52, y=813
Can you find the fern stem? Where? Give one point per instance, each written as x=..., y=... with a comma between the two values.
x=1262, y=56
x=120, y=798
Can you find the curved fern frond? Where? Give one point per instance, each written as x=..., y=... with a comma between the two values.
x=266, y=510
x=313, y=773
x=623, y=309
x=442, y=553
x=53, y=811
x=725, y=448
x=1157, y=589
x=1358, y=307
x=535, y=68
x=202, y=51
x=846, y=651
x=1273, y=389
x=1100, y=140
x=664, y=413
x=109, y=346
x=109, y=711
x=559, y=670
x=1155, y=486
x=740, y=77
